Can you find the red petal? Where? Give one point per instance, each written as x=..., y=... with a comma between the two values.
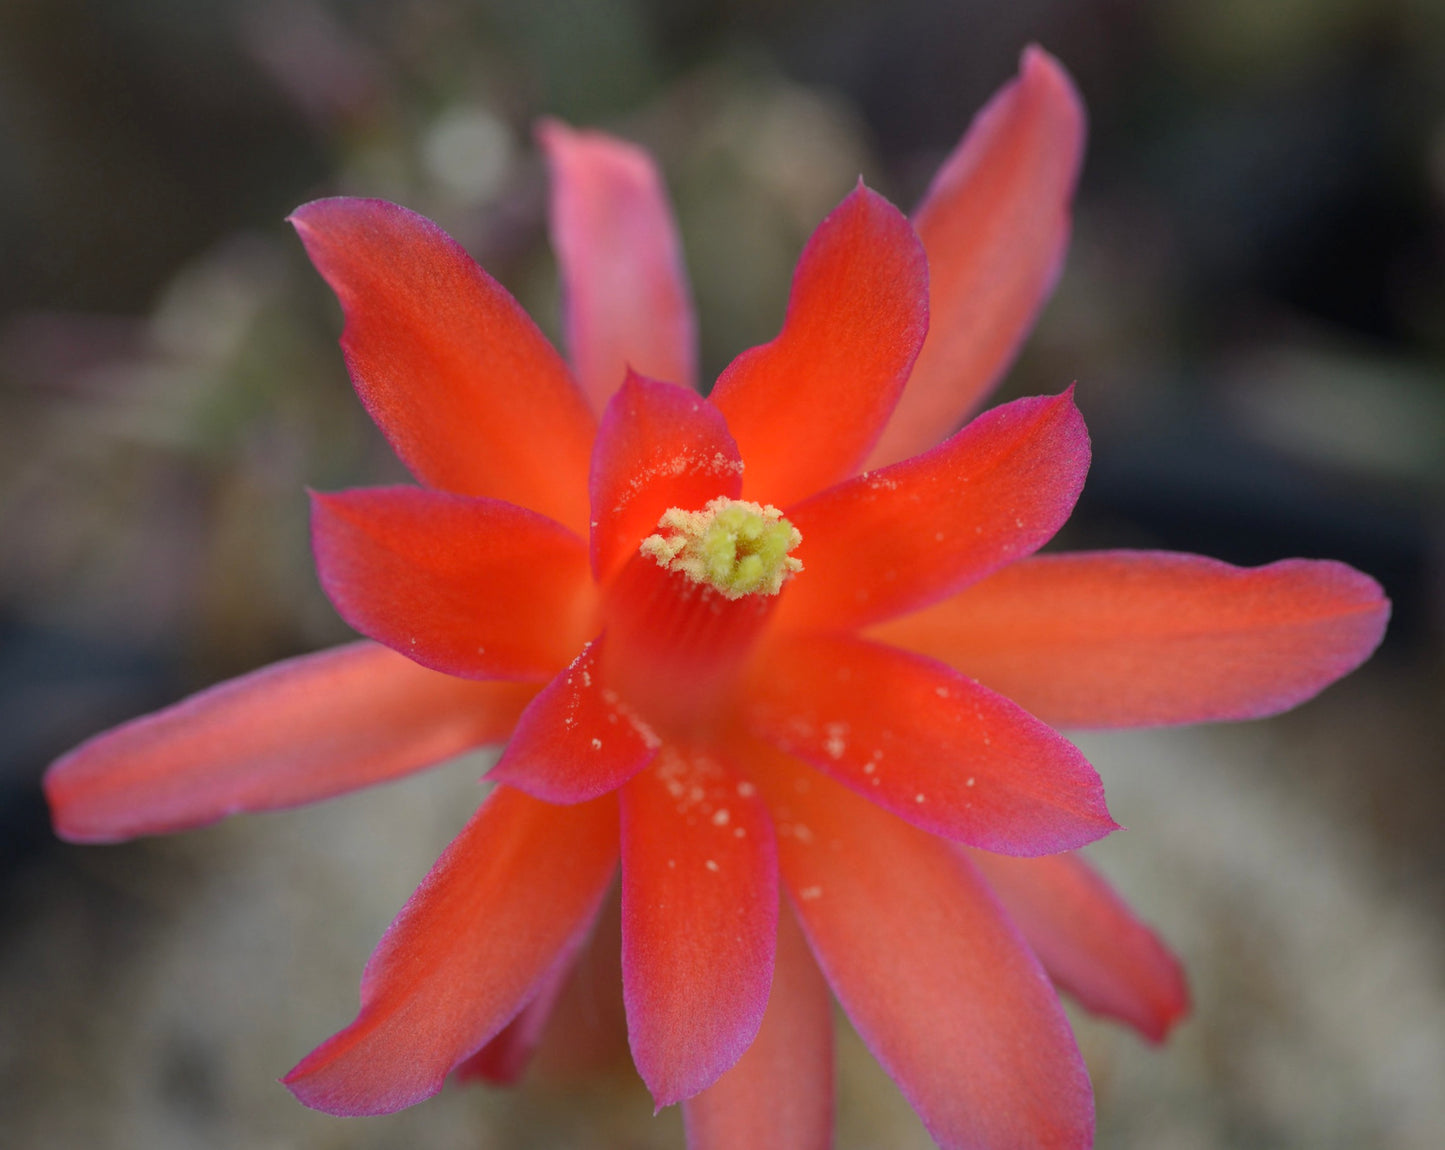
x=470, y=394
x=806, y=408
x=587, y=1035
x=936, y=980
x=659, y=446
x=699, y=920
x=1137, y=638
x=894, y=540
x=928, y=744
x=573, y=1030
x=505, y=1057
x=291, y=733
x=1089, y=941
x=995, y=225
x=472, y=587
x=623, y=285
x=515, y=889
x=576, y=740
x=779, y=1096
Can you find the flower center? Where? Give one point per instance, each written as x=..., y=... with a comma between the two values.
x=734, y=547
x=686, y=610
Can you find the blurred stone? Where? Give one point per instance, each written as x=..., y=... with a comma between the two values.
x=469, y=151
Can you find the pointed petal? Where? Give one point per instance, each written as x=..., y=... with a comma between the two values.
x=935, y=979
x=467, y=390
x=928, y=744
x=659, y=446
x=806, y=408
x=576, y=740
x=292, y=733
x=515, y=889
x=624, y=289
x=1140, y=638
x=995, y=225
x=472, y=587
x=1089, y=940
x=894, y=540
x=779, y=1096
x=699, y=919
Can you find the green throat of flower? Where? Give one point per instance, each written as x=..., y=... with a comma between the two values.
x=736, y=548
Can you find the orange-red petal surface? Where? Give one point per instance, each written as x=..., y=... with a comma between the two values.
x=895, y=540
x=468, y=391
x=995, y=225
x=658, y=446
x=577, y=739
x=587, y=1034
x=1136, y=638
x=938, y=983
x=505, y=1057
x=930, y=745
x=1089, y=941
x=779, y=1096
x=515, y=889
x=699, y=919
x=294, y=732
x=624, y=291
x=806, y=408
x=472, y=587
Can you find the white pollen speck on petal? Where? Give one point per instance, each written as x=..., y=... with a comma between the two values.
x=918, y=798
x=746, y=789
x=712, y=866
x=740, y=832
x=1018, y=522
x=720, y=817
x=969, y=781
x=596, y=744
x=802, y=833
x=942, y=692
x=672, y=863
x=869, y=767
x=809, y=893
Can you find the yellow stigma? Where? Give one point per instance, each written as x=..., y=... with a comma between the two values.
x=735, y=548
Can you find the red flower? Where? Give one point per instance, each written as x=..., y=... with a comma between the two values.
x=841, y=695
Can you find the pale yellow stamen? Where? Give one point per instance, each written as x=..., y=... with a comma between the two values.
x=736, y=548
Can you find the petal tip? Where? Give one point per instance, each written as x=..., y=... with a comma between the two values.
x=1041, y=70
x=309, y=218
x=1171, y=1005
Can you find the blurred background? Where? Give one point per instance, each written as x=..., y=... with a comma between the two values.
x=1253, y=308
